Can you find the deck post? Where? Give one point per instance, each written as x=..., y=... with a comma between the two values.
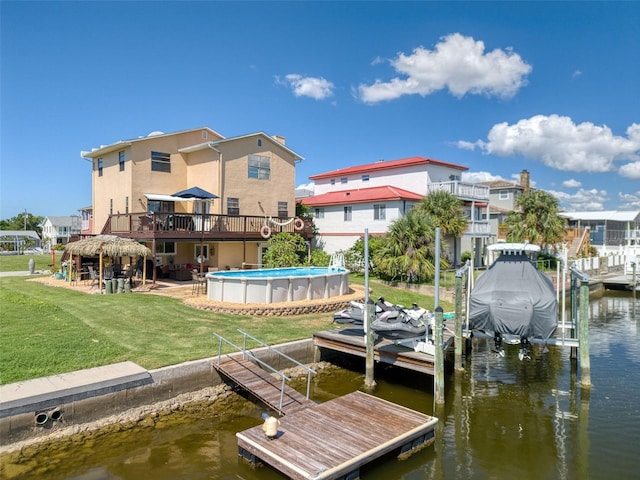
x=583, y=335
x=438, y=378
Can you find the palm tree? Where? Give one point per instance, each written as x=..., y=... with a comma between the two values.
x=447, y=212
x=536, y=220
x=409, y=249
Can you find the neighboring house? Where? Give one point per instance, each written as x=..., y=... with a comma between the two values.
x=342, y=216
x=17, y=240
x=251, y=179
x=503, y=198
x=372, y=196
x=609, y=230
x=59, y=230
x=86, y=215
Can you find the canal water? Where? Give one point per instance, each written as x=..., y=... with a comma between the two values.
x=503, y=419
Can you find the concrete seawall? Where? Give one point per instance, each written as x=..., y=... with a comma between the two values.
x=37, y=408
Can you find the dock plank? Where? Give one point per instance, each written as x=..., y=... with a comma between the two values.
x=333, y=439
x=350, y=340
x=261, y=384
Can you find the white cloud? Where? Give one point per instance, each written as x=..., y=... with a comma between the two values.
x=457, y=63
x=571, y=183
x=630, y=170
x=576, y=73
x=629, y=201
x=313, y=87
x=477, y=177
x=561, y=144
x=582, y=200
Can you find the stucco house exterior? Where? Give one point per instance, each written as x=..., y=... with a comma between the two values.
x=250, y=180
x=348, y=200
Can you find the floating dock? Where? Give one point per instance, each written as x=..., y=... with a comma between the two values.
x=351, y=340
x=334, y=439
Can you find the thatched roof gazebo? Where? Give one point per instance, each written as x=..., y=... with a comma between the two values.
x=109, y=246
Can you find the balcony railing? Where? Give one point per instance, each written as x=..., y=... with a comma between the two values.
x=478, y=228
x=463, y=190
x=147, y=225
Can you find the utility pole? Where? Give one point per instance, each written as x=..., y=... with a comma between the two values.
x=25, y=219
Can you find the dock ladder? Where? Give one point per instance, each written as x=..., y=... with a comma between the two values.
x=256, y=376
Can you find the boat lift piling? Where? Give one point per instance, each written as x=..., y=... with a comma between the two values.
x=438, y=378
x=582, y=322
x=369, y=380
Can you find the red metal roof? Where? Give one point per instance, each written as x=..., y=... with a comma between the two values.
x=385, y=165
x=362, y=195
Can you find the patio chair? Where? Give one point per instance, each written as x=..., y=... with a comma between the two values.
x=93, y=276
x=198, y=283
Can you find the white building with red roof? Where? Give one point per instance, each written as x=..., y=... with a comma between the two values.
x=372, y=196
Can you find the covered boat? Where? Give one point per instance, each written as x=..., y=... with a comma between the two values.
x=513, y=297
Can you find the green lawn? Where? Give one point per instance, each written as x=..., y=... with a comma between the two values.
x=16, y=263
x=48, y=330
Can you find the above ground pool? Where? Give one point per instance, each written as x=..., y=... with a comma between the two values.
x=275, y=285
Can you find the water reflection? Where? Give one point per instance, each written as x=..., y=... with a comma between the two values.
x=503, y=418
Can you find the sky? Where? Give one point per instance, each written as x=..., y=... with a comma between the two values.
x=497, y=87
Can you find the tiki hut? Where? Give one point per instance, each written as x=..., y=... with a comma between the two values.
x=108, y=246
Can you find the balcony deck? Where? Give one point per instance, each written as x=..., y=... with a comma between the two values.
x=184, y=226
x=463, y=190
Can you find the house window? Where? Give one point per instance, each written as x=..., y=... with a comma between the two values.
x=347, y=214
x=126, y=204
x=205, y=251
x=319, y=212
x=504, y=195
x=111, y=206
x=165, y=248
x=160, y=162
x=204, y=134
x=100, y=166
x=283, y=211
x=121, y=161
x=259, y=167
x=159, y=206
x=344, y=180
x=233, y=206
x=379, y=212
x=365, y=178
x=333, y=181
x=259, y=142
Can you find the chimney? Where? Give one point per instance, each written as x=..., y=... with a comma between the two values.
x=279, y=139
x=524, y=181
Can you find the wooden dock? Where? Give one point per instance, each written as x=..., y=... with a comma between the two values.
x=259, y=383
x=334, y=439
x=351, y=340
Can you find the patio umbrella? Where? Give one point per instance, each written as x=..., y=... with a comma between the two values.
x=109, y=245
x=197, y=193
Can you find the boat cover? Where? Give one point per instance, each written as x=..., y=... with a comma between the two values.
x=514, y=297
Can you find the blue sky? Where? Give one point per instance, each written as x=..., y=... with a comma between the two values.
x=551, y=87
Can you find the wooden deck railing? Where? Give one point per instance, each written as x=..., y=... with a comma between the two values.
x=148, y=225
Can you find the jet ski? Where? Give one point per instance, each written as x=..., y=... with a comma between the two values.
x=354, y=314
x=402, y=323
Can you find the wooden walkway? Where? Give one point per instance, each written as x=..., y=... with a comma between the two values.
x=351, y=340
x=259, y=383
x=334, y=439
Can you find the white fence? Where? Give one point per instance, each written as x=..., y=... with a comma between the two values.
x=603, y=265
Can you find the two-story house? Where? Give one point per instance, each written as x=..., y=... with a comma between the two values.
x=249, y=182
x=503, y=198
x=58, y=230
x=372, y=196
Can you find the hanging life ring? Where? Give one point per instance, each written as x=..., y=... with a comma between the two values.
x=298, y=224
x=265, y=231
